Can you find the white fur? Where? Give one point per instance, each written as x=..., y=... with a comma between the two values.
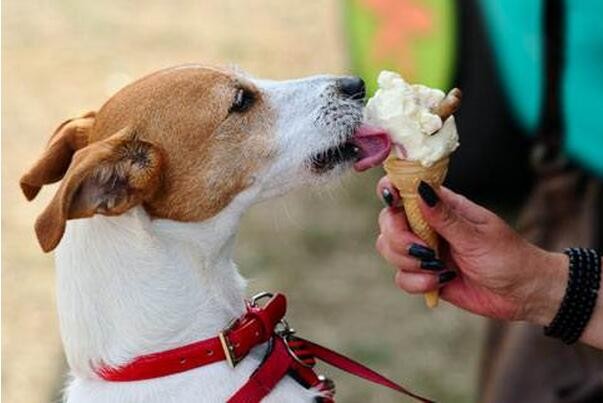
x=129, y=285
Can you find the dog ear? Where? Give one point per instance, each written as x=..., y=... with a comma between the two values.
x=69, y=137
x=106, y=177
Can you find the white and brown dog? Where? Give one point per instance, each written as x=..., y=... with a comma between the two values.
x=144, y=220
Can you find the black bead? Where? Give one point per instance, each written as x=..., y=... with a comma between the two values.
x=580, y=297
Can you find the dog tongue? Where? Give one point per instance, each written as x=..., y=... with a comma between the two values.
x=374, y=145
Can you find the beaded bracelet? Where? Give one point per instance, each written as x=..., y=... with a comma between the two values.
x=580, y=295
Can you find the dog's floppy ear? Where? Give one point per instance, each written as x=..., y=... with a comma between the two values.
x=69, y=137
x=106, y=177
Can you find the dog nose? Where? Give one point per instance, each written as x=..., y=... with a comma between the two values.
x=352, y=87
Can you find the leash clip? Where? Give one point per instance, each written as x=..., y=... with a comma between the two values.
x=253, y=302
x=284, y=331
x=287, y=334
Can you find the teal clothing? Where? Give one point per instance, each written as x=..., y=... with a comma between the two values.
x=515, y=28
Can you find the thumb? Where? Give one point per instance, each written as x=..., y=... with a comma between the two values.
x=450, y=215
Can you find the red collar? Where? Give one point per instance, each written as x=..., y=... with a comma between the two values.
x=287, y=354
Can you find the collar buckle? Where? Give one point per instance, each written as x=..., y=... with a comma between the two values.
x=227, y=346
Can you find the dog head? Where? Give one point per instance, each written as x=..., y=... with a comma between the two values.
x=185, y=141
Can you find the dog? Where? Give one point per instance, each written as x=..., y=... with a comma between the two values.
x=152, y=189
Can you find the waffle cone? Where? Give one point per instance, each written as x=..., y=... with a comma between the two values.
x=406, y=176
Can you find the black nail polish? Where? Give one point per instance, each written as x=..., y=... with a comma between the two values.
x=432, y=265
x=421, y=252
x=446, y=277
x=388, y=197
x=428, y=195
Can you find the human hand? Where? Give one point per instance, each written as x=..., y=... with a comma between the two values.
x=498, y=273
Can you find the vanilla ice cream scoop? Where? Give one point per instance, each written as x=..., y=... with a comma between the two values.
x=418, y=118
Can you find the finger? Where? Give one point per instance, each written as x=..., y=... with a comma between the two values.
x=387, y=192
x=396, y=258
x=458, y=293
x=416, y=283
x=392, y=223
x=467, y=209
x=443, y=219
x=419, y=283
x=395, y=229
x=408, y=260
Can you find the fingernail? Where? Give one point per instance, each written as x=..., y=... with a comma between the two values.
x=387, y=197
x=421, y=252
x=428, y=195
x=433, y=265
x=446, y=277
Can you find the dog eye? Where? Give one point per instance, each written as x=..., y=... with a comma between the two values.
x=243, y=100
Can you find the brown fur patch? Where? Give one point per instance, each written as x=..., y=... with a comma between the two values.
x=211, y=155
x=69, y=137
x=167, y=141
x=107, y=177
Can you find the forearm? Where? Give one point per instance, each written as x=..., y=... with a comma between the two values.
x=549, y=290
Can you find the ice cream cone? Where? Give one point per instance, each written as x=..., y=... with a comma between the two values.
x=406, y=176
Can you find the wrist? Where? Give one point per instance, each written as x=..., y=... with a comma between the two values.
x=548, y=289
x=593, y=333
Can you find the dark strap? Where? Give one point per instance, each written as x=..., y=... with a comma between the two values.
x=549, y=140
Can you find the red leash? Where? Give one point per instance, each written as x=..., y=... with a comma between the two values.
x=287, y=355
x=355, y=368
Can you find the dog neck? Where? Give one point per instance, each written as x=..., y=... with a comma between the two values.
x=129, y=285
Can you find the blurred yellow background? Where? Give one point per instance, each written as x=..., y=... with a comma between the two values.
x=62, y=57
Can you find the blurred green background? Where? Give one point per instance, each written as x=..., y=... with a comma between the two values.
x=416, y=37
x=62, y=57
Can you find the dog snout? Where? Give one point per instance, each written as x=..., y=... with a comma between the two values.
x=351, y=87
